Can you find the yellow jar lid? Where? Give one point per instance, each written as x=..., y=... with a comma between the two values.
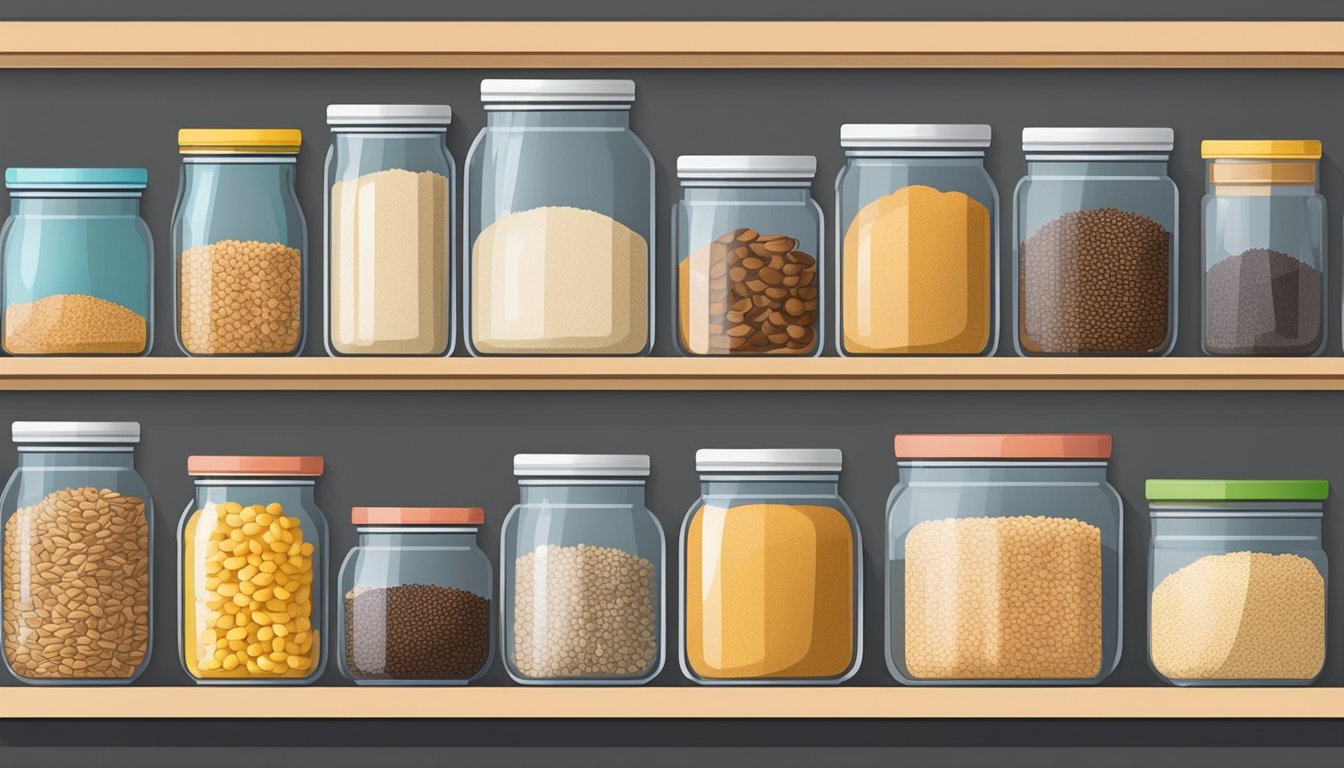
x=239, y=141
x=1261, y=149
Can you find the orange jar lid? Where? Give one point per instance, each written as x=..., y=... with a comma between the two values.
x=1007, y=446
x=417, y=516
x=264, y=466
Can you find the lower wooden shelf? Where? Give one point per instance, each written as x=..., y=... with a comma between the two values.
x=679, y=702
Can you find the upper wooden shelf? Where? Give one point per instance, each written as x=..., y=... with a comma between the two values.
x=670, y=373
x=671, y=44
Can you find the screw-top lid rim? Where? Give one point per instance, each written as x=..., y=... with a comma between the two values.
x=1100, y=139
x=1063, y=446
x=916, y=135
x=467, y=516
x=1167, y=490
x=1260, y=149
x=76, y=178
x=96, y=432
x=389, y=114
x=746, y=167
x=828, y=460
x=556, y=91
x=239, y=141
x=258, y=466
x=580, y=465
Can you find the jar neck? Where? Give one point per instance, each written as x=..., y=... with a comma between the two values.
x=1111, y=165
x=781, y=483
x=74, y=456
x=387, y=537
x=1225, y=173
x=701, y=192
x=375, y=137
x=615, y=119
x=1037, y=471
x=301, y=488
x=871, y=157
x=574, y=491
x=128, y=205
x=261, y=172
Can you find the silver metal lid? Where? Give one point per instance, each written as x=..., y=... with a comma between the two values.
x=580, y=465
x=518, y=91
x=1098, y=139
x=49, y=432
x=768, y=460
x=746, y=167
x=915, y=135
x=389, y=114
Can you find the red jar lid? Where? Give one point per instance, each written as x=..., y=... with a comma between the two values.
x=1008, y=446
x=262, y=466
x=417, y=516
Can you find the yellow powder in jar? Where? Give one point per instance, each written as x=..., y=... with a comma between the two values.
x=916, y=275
x=769, y=592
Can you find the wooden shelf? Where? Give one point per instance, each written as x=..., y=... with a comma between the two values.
x=681, y=702
x=672, y=44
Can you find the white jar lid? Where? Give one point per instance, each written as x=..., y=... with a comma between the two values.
x=516, y=91
x=580, y=465
x=1097, y=139
x=768, y=460
x=746, y=167
x=389, y=114
x=915, y=135
x=76, y=432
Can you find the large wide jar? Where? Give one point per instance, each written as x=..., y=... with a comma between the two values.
x=253, y=560
x=389, y=229
x=1003, y=561
x=78, y=529
x=748, y=242
x=1094, y=243
x=241, y=243
x=416, y=593
x=771, y=571
x=582, y=563
x=559, y=232
x=1264, y=249
x=1237, y=581
x=78, y=263
x=917, y=225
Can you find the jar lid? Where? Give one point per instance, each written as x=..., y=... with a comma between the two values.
x=768, y=460
x=523, y=91
x=1004, y=446
x=76, y=178
x=389, y=114
x=265, y=466
x=1098, y=139
x=580, y=465
x=239, y=141
x=915, y=135
x=1260, y=149
x=746, y=167
x=417, y=515
x=1238, y=490
x=121, y=432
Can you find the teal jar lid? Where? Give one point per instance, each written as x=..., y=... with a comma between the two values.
x=1238, y=490
x=76, y=178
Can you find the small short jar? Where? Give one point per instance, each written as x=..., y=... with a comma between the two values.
x=252, y=554
x=416, y=597
x=1264, y=249
x=1237, y=581
x=748, y=245
x=771, y=567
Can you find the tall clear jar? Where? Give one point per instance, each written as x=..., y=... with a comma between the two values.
x=917, y=227
x=1237, y=581
x=1264, y=248
x=1004, y=561
x=241, y=244
x=771, y=564
x=559, y=231
x=1094, y=243
x=582, y=585
x=78, y=263
x=416, y=597
x=389, y=227
x=748, y=245
x=252, y=554
x=78, y=577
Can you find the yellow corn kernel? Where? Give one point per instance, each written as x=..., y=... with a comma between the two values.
x=212, y=583
x=261, y=618
x=302, y=624
x=254, y=650
x=265, y=663
x=237, y=633
x=255, y=547
x=225, y=621
x=247, y=588
x=280, y=630
x=262, y=595
x=230, y=607
x=226, y=589
x=253, y=558
x=292, y=648
x=234, y=563
x=279, y=617
x=249, y=514
x=233, y=520
x=237, y=535
x=299, y=662
x=230, y=663
x=215, y=604
x=241, y=600
x=237, y=645
x=261, y=579
x=279, y=546
x=213, y=566
x=278, y=646
x=281, y=593
x=251, y=529
x=307, y=549
x=268, y=566
x=253, y=668
x=233, y=507
x=265, y=634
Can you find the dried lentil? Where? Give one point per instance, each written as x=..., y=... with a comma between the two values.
x=1262, y=302
x=240, y=298
x=76, y=586
x=73, y=324
x=416, y=632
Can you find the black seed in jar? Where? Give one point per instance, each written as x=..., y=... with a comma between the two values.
x=1262, y=302
x=1096, y=282
x=416, y=632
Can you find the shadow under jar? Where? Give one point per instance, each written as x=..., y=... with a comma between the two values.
x=748, y=245
x=1094, y=243
x=1264, y=243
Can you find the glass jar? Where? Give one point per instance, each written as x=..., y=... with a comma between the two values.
x=772, y=578
x=1003, y=561
x=917, y=225
x=416, y=591
x=748, y=245
x=78, y=263
x=1094, y=244
x=77, y=577
x=582, y=562
x=389, y=225
x=1237, y=581
x=253, y=559
x=559, y=233
x=1264, y=249
x=241, y=244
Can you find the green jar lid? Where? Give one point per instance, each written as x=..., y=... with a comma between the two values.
x=1238, y=490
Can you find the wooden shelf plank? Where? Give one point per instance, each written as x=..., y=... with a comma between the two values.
x=675, y=702
x=674, y=44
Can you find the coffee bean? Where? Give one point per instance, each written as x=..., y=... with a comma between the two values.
x=416, y=632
